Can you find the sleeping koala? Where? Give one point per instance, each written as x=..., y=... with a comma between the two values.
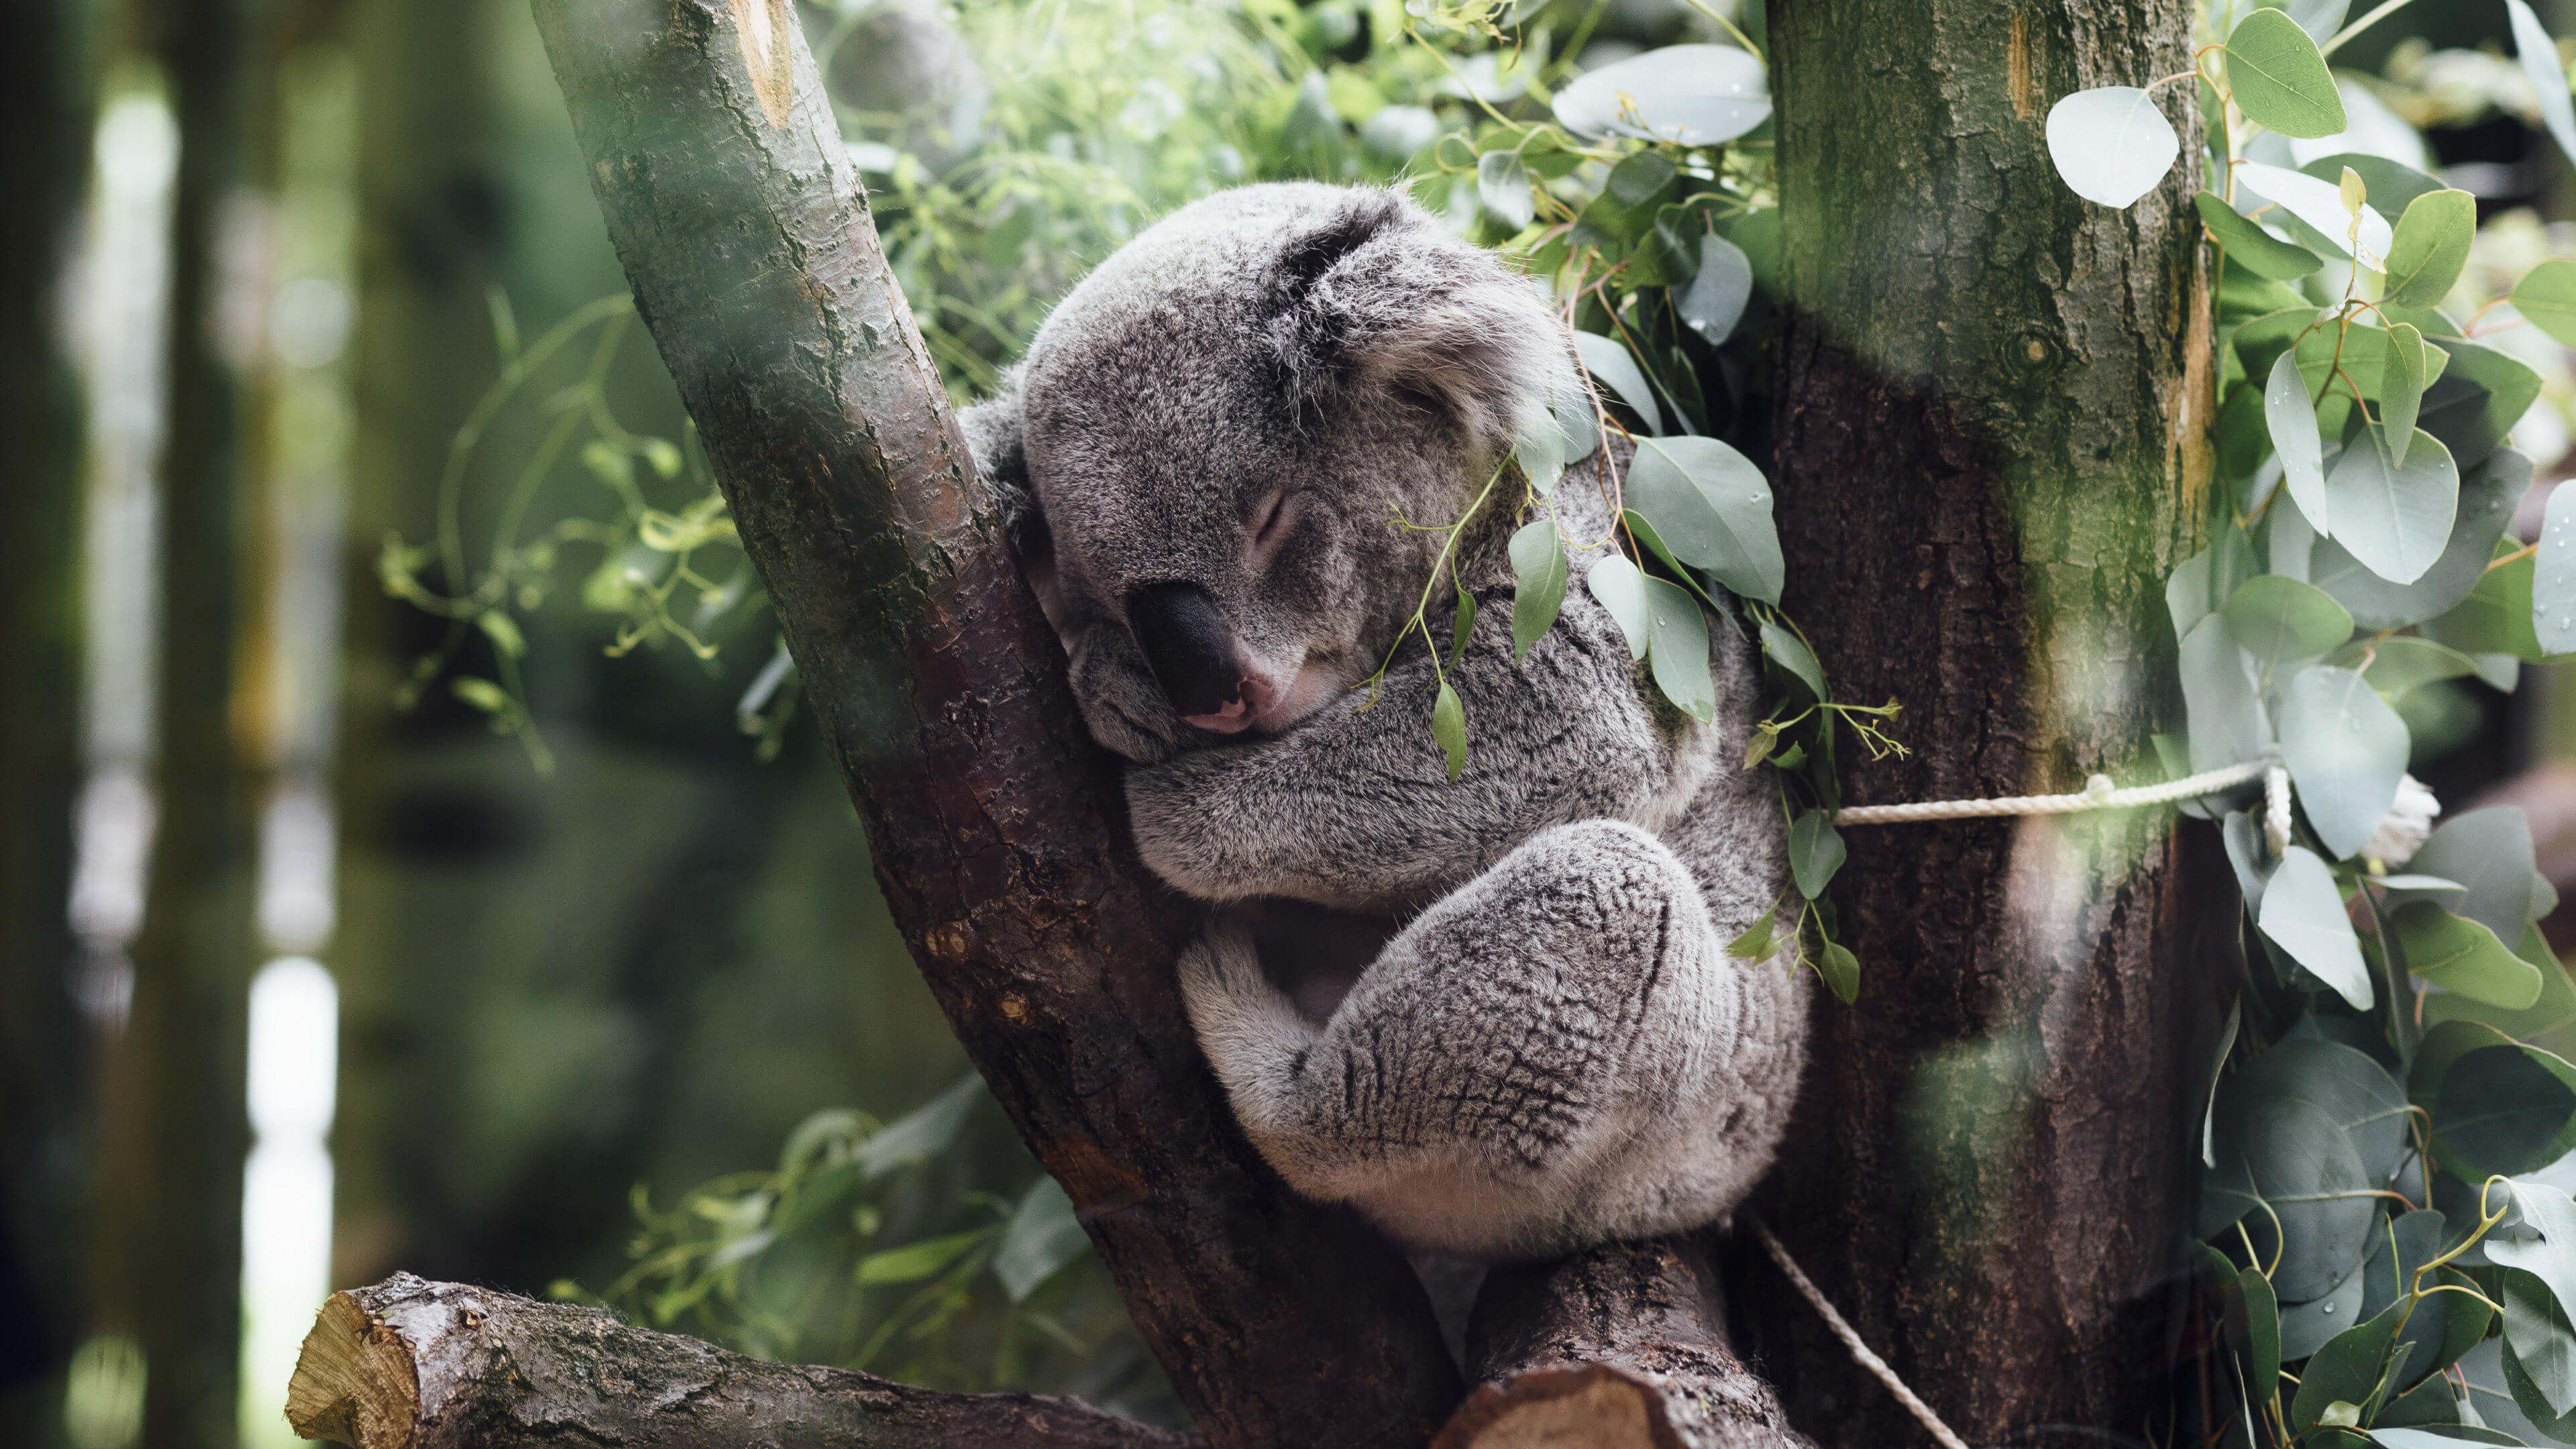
x=1205, y=459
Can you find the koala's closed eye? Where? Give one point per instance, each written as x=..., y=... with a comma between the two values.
x=1276, y=520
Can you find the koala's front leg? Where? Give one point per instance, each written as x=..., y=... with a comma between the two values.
x=1356, y=810
x=1483, y=1086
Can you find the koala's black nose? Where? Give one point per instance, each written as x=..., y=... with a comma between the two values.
x=1187, y=643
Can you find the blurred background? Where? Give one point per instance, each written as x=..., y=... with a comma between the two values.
x=412, y=857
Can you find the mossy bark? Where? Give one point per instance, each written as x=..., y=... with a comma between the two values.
x=1991, y=415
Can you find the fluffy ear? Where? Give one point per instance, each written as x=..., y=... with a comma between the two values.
x=1379, y=298
x=992, y=429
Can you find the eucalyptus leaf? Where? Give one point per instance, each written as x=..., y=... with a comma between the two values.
x=2279, y=79
x=2290, y=414
x=2394, y=514
x=2110, y=144
x=2496, y=617
x=2546, y=297
x=1841, y=971
x=2430, y=246
x=2347, y=1370
x=2278, y=619
x=1621, y=587
x=1449, y=728
x=2489, y=852
x=2303, y=914
x=1606, y=360
x=2401, y=393
x=1712, y=508
x=915, y=1261
x=1691, y=95
x=1714, y=301
x=2292, y=1157
x=2487, y=498
x=2482, y=394
x=2463, y=957
x=1678, y=651
x=2221, y=699
x=2553, y=576
x=1539, y=575
x=1503, y=185
x=2503, y=1110
x=1815, y=852
x=2393, y=184
x=2401, y=664
x=2346, y=750
x=1042, y=1238
x=2539, y=56
x=923, y=1133
x=1792, y=654
x=1541, y=453
x=2318, y=207
x=2248, y=245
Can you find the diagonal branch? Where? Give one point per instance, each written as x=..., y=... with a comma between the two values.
x=995, y=823
x=410, y=1364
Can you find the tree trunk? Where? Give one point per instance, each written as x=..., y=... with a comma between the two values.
x=172, y=1134
x=45, y=131
x=1992, y=402
x=1621, y=1347
x=410, y=1364
x=995, y=823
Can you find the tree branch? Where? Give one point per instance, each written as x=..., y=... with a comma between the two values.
x=1620, y=1347
x=996, y=825
x=411, y=1364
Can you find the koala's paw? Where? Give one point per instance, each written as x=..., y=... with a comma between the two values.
x=1222, y=982
x=1122, y=706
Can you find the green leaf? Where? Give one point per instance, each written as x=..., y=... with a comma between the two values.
x=2277, y=619
x=2430, y=247
x=2489, y=852
x=1714, y=301
x=1462, y=624
x=2290, y=416
x=915, y=1261
x=2262, y=1328
x=2546, y=296
x=1841, y=971
x=2401, y=392
x=1621, y=587
x=2488, y=495
x=2291, y=1156
x=1690, y=95
x=2537, y=1329
x=2539, y=57
x=2221, y=699
x=2403, y=664
x=1792, y=654
x=2496, y=617
x=2394, y=514
x=2393, y=185
x=2110, y=144
x=2503, y=1110
x=1815, y=852
x=1712, y=508
x=2303, y=914
x=1541, y=453
x=1678, y=651
x=2248, y=245
x=925, y=1132
x=1538, y=583
x=2315, y=212
x=1610, y=363
x=2347, y=1370
x=1041, y=1240
x=2553, y=576
x=483, y=694
x=1754, y=941
x=1449, y=727
x=2346, y=751
x=1503, y=185
x=2463, y=957
x=2278, y=78
x=2483, y=393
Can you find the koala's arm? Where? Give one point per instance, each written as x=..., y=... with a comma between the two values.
x=1356, y=811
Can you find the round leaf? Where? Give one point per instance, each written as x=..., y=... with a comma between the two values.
x=2430, y=246
x=2553, y=576
x=2394, y=516
x=2280, y=619
x=2110, y=144
x=2303, y=915
x=2464, y=957
x=1693, y=95
x=1712, y=508
x=2547, y=296
x=2220, y=700
x=1714, y=301
x=2501, y=1110
x=2278, y=78
x=2346, y=750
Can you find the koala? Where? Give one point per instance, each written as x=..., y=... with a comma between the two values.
x=1226, y=462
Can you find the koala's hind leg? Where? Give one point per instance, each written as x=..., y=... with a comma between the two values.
x=1529, y=1021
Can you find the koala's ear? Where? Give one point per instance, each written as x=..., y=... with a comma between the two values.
x=1377, y=298
x=992, y=429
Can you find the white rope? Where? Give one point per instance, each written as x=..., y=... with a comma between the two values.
x=2098, y=794
x=1850, y=1337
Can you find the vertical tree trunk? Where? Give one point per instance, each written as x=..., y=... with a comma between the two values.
x=45, y=99
x=172, y=1131
x=1992, y=401
x=995, y=823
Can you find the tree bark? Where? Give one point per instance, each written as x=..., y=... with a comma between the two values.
x=1620, y=1346
x=411, y=1364
x=1991, y=414
x=996, y=825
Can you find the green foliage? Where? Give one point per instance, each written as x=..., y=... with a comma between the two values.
x=2393, y=1113
x=877, y=1247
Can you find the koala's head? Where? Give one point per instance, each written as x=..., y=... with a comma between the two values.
x=1205, y=453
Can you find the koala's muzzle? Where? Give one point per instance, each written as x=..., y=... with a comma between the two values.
x=1188, y=646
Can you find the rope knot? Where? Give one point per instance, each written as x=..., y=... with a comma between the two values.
x=2098, y=788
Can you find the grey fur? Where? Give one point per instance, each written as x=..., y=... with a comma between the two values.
x=1555, y=1049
